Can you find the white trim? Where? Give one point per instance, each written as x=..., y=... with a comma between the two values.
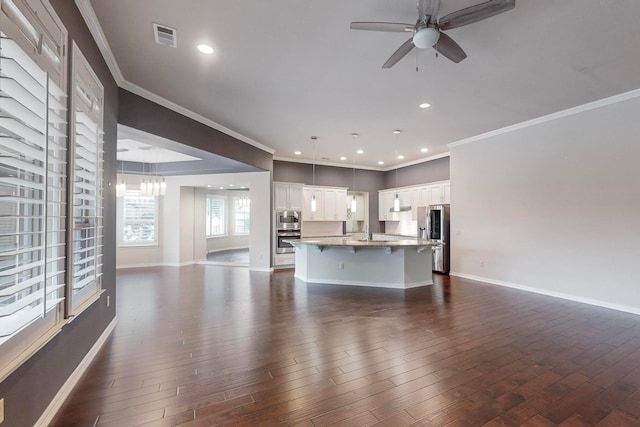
x=267, y=270
x=550, y=117
x=358, y=166
x=570, y=297
x=223, y=263
x=179, y=264
x=64, y=392
x=151, y=264
x=232, y=248
x=325, y=281
x=90, y=18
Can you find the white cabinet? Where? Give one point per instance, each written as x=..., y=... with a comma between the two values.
x=308, y=194
x=415, y=196
x=335, y=204
x=331, y=204
x=287, y=195
x=280, y=260
x=439, y=193
x=446, y=192
x=385, y=204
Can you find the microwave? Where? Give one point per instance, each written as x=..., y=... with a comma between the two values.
x=287, y=220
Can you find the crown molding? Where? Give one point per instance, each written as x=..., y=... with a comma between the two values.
x=90, y=18
x=351, y=165
x=188, y=113
x=325, y=163
x=551, y=117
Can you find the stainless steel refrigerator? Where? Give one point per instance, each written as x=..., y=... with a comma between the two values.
x=433, y=223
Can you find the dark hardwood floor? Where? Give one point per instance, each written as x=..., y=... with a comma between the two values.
x=209, y=345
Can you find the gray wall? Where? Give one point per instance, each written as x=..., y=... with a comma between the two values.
x=431, y=171
x=30, y=389
x=366, y=180
x=140, y=113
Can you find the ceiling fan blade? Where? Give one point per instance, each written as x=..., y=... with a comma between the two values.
x=382, y=26
x=447, y=47
x=476, y=13
x=428, y=10
x=399, y=54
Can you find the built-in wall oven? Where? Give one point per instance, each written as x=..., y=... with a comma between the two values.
x=287, y=229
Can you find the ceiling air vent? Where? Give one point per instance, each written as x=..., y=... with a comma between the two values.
x=165, y=35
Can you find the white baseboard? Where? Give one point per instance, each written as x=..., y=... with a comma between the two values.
x=151, y=264
x=72, y=381
x=265, y=269
x=570, y=297
x=232, y=248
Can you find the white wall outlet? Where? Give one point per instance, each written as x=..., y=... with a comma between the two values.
x=1, y=410
x=341, y=266
x=108, y=300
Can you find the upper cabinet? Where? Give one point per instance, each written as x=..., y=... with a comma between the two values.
x=331, y=203
x=385, y=204
x=414, y=196
x=287, y=195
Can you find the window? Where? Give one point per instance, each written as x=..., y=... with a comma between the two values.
x=86, y=234
x=215, y=215
x=139, y=217
x=241, y=208
x=33, y=168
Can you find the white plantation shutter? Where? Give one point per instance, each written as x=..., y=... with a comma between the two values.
x=139, y=219
x=33, y=155
x=241, y=213
x=86, y=245
x=215, y=221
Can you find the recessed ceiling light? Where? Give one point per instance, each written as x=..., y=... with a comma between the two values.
x=230, y=185
x=343, y=158
x=397, y=131
x=297, y=153
x=400, y=157
x=360, y=151
x=424, y=150
x=425, y=105
x=209, y=186
x=381, y=162
x=222, y=188
x=205, y=48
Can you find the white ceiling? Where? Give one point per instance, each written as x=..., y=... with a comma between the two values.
x=284, y=70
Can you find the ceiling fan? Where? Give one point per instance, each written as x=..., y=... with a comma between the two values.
x=428, y=30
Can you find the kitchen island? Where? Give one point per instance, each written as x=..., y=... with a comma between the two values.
x=399, y=264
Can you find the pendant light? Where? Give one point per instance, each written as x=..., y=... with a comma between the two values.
x=354, y=204
x=396, y=201
x=313, y=197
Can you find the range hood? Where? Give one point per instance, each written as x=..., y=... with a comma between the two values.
x=402, y=209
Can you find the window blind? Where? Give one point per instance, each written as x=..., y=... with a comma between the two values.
x=241, y=209
x=215, y=223
x=138, y=219
x=32, y=183
x=86, y=182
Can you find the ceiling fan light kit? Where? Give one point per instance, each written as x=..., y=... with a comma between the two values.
x=425, y=37
x=429, y=30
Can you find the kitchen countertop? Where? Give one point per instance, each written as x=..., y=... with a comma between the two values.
x=351, y=242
